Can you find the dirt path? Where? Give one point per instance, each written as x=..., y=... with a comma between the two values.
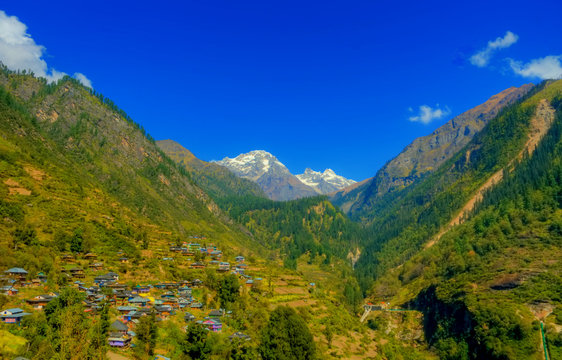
x=540, y=123
x=114, y=356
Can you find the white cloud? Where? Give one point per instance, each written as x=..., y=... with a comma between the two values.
x=548, y=67
x=427, y=114
x=83, y=79
x=18, y=51
x=482, y=58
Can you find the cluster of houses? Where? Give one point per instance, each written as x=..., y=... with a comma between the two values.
x=134, y=302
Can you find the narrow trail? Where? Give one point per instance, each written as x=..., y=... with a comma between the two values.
x=540, y=123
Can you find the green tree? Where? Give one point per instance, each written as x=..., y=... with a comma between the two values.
x=77, y=241
x=195, y=344
x=286, y=337
x=229, y=290
x=24, y=235
x=147, y=333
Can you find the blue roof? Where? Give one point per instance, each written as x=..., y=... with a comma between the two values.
x=16, y=270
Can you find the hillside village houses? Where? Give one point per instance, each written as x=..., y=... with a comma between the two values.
x=130, y=303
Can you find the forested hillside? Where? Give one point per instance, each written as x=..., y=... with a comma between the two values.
x=403, y=221
x=487, y=285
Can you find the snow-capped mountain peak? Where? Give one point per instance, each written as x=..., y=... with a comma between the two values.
x=254, y=165
x=324, y=182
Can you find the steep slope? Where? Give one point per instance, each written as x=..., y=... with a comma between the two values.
x=425, y=154
x=216, y=180
x=270, y=174
x=324, y=182
x=489, y=283
x=405, y=220
x=72, y=161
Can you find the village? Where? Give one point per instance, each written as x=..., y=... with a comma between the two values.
x=186, y=301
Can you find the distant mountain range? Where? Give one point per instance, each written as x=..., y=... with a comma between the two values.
x=276, y=180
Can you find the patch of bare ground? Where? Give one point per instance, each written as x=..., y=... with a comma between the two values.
x=35, y=174
x=14, y=188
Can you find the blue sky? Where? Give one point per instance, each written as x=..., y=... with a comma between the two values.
x=317, y=83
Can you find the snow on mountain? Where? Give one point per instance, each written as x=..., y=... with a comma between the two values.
x=269, y=173
x=325, y=182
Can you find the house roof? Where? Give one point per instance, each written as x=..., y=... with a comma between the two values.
x=16, y=270
x=119, y=326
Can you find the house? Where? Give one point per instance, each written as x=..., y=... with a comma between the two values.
x=119, y=326
x=17, y=273
x=40, y=301
x=215, y=314
x=193, y=247
x=196, y=305
x=67, y=258
x=123, y=260
x=113, y=275
x=164, y=310
x=126, y=309
x=184, y=302
x=216, y=254
x=41, y=276
x=141, y=289
x=197, y=282
x=77, y=273
x=90, y=256
x=119, y=340
x=239, y=336
x=96, y=266
x=189, y=317
x=168, y=294
x=211, y=324
x=249, y=283
x=8, y=290
x=197, y=265
x=138, y=300
x=12, y=316
x=240, y=259
x=241, y=266
x=224, y=266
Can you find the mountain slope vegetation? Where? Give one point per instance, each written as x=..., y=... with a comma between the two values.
x=405, y=220
x=425, y=154
x=487, y=285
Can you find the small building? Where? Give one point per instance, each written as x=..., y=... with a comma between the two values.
x=96, y=266
x=189, y=317
x=138, y=300
x=119, y=340
x=90, y=256
x=17, y=273
x=196, y=305
x=224, y=266
x=215, y=314
x=40, y=301
x=216, y=254
x=119, y=326
x=211, y=324
x=12, y=316
x=239, y=336
x=8, y=290
x=77, y=273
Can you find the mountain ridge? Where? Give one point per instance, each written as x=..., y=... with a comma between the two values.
x=277, y=181
x=425, y=154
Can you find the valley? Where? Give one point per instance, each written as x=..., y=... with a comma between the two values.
x=114, y=244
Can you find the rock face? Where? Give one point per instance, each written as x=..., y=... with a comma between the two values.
x=270, y=174
x=326, y=182
x=427, y=153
